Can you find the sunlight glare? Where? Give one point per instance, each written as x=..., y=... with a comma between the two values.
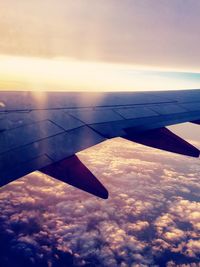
x=57, y=74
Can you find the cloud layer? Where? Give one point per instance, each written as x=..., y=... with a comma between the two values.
x=152, y=217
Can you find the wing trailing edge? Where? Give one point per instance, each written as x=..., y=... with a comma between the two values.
x=163, y=139
x=72, y=171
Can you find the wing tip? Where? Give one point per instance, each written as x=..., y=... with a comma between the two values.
x=104, y=194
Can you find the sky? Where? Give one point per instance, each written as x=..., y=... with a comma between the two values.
x=99, y=45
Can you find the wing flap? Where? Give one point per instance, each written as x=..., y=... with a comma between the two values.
x=163, y=139
x=33, y=156
x=72, y=171
x=11, y=174
x=21, y=136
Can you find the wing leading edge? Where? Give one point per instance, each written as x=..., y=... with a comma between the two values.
x=45, y=135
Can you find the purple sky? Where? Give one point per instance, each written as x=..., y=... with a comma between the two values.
x=151, y=33
x=48, y=45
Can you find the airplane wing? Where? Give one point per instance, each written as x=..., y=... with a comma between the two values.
x=44, y=131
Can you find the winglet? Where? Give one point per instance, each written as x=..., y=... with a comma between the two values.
x=164, y=139
x=75, y=173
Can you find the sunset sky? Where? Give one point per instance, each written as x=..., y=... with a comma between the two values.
x=99, y=45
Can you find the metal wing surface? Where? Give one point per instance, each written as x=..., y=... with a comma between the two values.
x=44, y=131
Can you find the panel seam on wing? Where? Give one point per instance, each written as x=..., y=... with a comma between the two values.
x=38, y=140
x=88, y=125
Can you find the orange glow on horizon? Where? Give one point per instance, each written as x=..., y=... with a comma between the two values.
x=39, y=74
